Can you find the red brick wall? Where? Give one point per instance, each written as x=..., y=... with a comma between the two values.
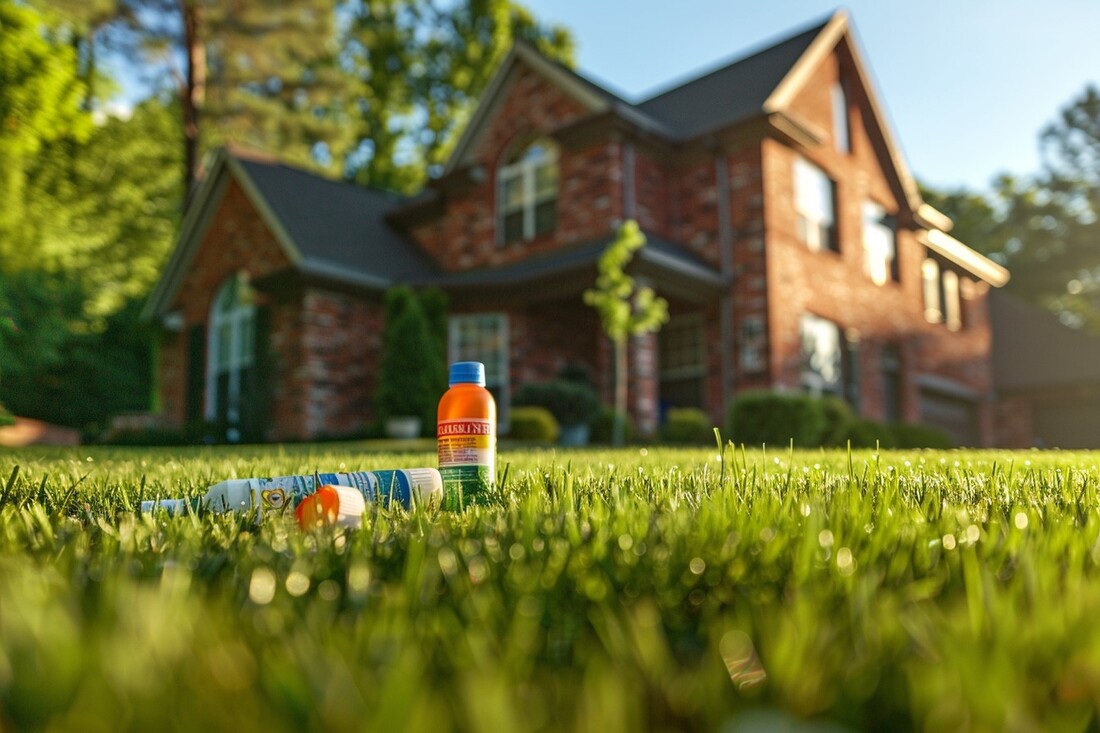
x=590, y=197
x=341, y=343
x=237, y=239
x=834, y=286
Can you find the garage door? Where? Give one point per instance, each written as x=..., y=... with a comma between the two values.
x=955, y=416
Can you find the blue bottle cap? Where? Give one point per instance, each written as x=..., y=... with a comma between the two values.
x=467, y=372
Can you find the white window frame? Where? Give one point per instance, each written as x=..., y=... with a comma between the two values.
x=879, y=244
x=525, y=168
x=496, y=361
x=841, y=128
x=815, y=377
x=238, y=319
x=952, y=304
x=930, y=286
x=815, y=206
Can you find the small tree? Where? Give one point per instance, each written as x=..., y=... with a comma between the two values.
x=625, y=309
x=408, y=374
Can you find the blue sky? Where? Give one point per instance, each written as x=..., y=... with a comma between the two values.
x=967, y=84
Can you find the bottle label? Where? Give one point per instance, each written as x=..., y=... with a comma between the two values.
x=467, y=459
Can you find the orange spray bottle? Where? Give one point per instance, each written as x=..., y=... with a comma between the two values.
x=466, y=433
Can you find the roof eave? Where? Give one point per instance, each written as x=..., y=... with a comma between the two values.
x=967, y=258
x=194, y=226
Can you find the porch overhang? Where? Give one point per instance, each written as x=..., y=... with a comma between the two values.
x=668, y=267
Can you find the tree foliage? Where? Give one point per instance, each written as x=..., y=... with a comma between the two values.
x=1045, y=228
x=421, y=67
x=40, y=106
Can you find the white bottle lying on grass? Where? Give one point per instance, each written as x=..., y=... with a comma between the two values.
x=325, y=498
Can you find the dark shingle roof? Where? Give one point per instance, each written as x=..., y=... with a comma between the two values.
x=1033, y=350
x=730, y=94
x=338, y=227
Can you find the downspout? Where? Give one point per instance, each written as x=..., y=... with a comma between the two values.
x=629, y=193
x=725, y=301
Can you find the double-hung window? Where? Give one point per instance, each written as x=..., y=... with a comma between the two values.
x=815, y=205
x=880, y=259
x=822, y=356
x=527, y=192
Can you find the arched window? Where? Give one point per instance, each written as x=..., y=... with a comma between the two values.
x=231, y=353
x=527, y=193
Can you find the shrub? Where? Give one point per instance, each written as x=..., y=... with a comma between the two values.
x=865, y=433
x=603, y=427
x=533, y=423
x=6, y=418
x=687, y=425
x=409, y=373
x=838, y=420
x=921, y=436
x=571, y=403
x=775, y=418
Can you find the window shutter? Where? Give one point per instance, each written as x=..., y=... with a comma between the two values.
x=196, y=372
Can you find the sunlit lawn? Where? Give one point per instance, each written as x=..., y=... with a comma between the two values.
x=646, y=588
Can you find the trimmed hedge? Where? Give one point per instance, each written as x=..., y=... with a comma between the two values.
x=603, y=426
x=571, y=403
x=533, y=423
x=687, y=425
x=775, y=418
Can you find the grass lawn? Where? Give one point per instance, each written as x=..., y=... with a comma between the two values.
x=642, y=589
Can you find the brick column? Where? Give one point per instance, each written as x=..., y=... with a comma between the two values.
x=642, y=390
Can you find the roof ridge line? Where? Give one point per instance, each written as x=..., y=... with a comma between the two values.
x=733, y=60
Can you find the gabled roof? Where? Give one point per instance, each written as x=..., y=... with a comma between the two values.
x=326, y=228
x=737, y=91
x=1032, y=349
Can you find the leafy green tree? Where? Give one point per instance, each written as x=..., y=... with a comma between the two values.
x=40, y=105
x=1045, y=228
x=408, y=374
x=625, y=309
x=421, y=67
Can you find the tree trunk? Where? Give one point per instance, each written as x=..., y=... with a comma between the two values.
x=193, y=94
x=618, y=421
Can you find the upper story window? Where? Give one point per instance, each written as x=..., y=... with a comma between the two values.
x=840, y=119
x=527, y=191
x=930, y=287
x=880, y=259
x=942, y=296
x=952, y=303
x=815, y=204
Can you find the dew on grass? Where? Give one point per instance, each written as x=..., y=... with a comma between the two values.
x=697, y=565
x=949, y=541
x=825, y=538
x=328, y=589
x=261, y=588
x=845, y=563
x=297, y=583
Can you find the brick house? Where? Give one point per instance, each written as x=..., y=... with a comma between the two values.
x=783, y=227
